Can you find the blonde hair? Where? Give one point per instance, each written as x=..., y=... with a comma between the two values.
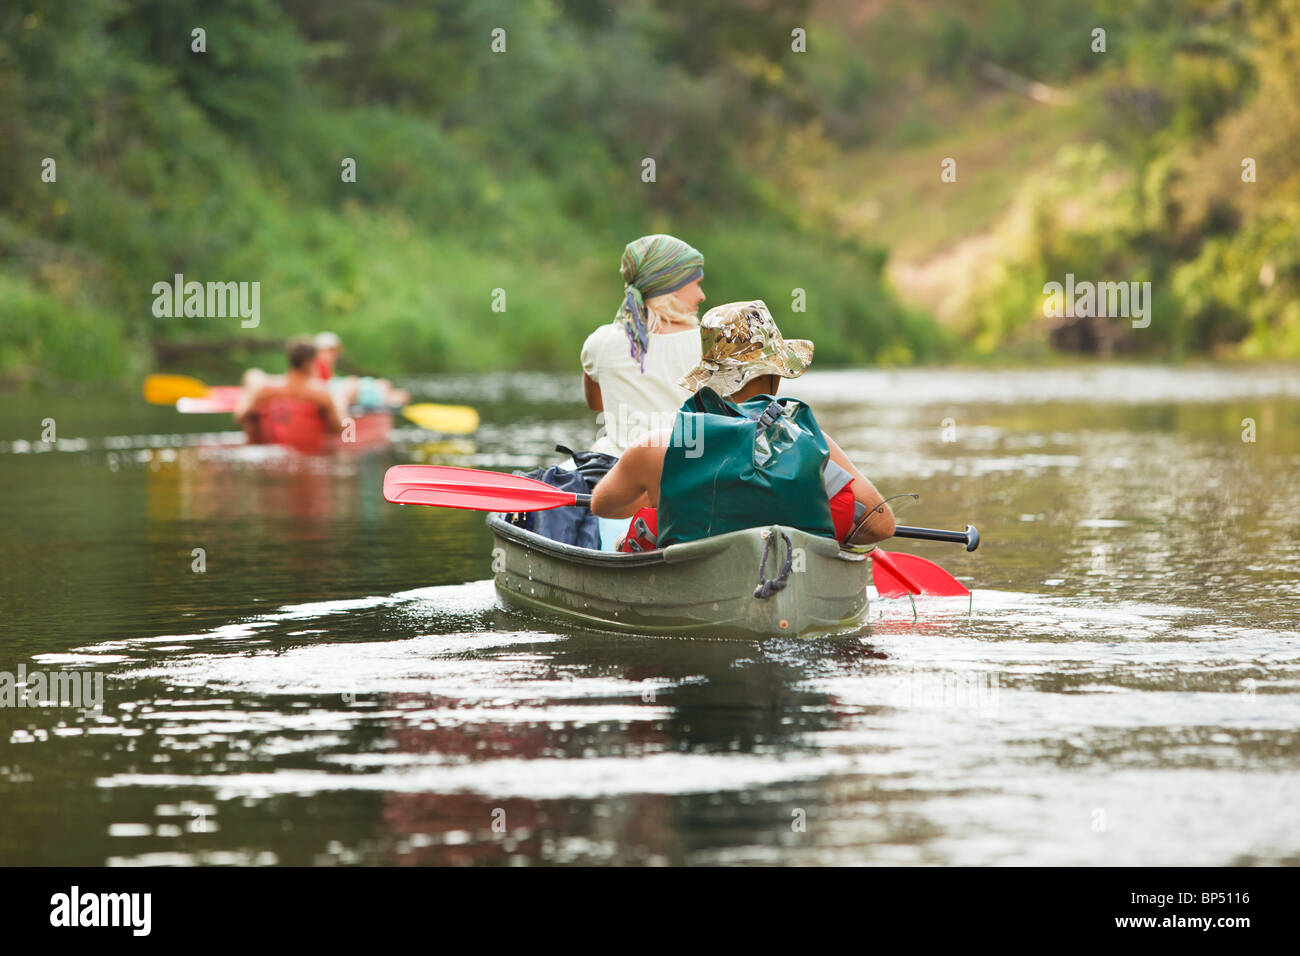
x=667, y=308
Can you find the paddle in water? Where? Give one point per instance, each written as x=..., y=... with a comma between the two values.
x=193, y=397
x=444, y=486
x=896, y=573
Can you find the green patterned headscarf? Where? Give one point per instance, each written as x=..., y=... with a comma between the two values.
x=651, y=266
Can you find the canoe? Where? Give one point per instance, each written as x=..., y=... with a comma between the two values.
x=298, y=425
x=700, y=588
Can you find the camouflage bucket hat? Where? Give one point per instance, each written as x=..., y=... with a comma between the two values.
x=740, y=342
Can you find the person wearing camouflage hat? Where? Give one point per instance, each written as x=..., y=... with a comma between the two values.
x=739, y=341
x=736, y=456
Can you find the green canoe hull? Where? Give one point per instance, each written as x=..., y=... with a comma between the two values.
x=699, y=589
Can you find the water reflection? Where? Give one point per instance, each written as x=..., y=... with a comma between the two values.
x=340, y=684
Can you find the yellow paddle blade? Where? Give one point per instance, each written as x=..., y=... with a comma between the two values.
x=167, y=389
x=447, y=419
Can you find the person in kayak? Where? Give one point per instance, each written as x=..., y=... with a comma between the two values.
x=365, y=391
x=631, y=367
x=328, y=346
x=737, y=457
x=299, y=383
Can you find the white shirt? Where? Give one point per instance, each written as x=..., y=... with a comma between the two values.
x=637, y=402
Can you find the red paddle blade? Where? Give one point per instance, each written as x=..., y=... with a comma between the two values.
x=447, y=487
x=896, y=573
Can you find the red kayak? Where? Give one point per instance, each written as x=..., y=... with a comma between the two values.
x=300, y=425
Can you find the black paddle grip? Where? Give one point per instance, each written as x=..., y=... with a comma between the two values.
x=970, y=537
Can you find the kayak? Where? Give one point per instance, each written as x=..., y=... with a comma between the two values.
x=706, y=588
x=298, y=424
x=219, y=399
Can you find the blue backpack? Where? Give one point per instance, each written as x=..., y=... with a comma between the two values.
x=572, y=524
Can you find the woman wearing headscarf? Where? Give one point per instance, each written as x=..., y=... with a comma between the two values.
x=632, y=366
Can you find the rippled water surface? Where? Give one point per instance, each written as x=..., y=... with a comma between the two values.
x=341, y=685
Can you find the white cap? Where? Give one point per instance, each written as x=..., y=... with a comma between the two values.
x=327, y=340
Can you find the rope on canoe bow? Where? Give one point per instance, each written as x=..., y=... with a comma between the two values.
x=766, y=588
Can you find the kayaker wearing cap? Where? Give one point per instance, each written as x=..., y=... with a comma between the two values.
x=299, y=383
x=736, y=457
x=327, y=354
x=365, y=391
x=631, y=367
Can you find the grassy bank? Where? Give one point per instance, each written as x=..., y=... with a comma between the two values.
x=488, y=213
x=514, y=177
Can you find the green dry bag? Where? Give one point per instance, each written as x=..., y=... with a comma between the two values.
x=730, y=467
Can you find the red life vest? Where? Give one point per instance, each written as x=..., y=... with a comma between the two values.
x=294, y=422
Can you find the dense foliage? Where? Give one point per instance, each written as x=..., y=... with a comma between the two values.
x=521, y=170
x=1166, y=195
x=476, y=171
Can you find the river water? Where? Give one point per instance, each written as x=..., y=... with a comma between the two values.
x=295, y=672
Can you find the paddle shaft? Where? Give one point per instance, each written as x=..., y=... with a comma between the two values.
x=970, y=537
x=491, y=491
